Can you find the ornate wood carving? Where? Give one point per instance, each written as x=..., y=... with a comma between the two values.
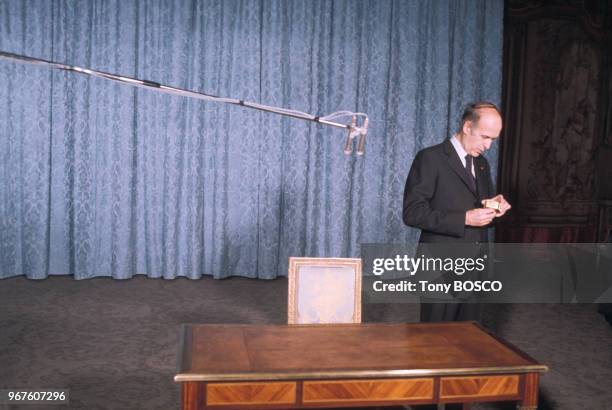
x=557, y=111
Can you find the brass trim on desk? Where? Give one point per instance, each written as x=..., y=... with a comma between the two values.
x=347, y=374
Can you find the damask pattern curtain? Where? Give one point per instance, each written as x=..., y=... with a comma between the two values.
x=101, y=179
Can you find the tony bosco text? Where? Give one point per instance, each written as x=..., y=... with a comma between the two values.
x=413, y=265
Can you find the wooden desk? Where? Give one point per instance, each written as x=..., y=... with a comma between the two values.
x=310, y=366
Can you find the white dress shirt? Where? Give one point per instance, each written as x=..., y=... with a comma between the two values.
x=461, y=152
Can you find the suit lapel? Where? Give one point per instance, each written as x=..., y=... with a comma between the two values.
x=457, y=166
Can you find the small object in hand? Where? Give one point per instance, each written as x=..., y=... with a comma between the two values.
x=492, y=204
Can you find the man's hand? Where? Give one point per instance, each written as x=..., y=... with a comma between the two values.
x=504, y=206
x=479, y=216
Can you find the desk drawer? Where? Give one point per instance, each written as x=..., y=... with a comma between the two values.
x=231, y=394
x=479, y=386
x=374, y=390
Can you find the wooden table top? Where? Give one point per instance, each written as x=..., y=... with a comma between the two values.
x=282, y=352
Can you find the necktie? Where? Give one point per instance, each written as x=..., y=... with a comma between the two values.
x=468, y=170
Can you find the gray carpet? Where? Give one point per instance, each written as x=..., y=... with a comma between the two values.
x=114, y=343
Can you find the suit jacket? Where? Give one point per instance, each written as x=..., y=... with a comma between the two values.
x=437, y=195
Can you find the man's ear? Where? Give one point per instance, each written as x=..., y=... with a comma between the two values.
x=467, y=127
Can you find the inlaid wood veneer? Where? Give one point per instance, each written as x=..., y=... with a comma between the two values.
x=367, y=390
x=486, y=386
x=250, y=393
x=258, y=367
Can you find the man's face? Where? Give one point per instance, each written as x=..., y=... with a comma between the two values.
x=477, y=137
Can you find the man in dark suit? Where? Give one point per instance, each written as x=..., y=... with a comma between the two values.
x=445, y=193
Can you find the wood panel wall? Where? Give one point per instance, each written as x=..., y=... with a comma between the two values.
x=556, y=147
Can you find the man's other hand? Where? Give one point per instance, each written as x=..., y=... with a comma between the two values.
x=479, y=216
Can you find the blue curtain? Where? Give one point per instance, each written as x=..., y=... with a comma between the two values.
x=101, y=179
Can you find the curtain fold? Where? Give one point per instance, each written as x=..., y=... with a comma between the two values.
x=101, y=179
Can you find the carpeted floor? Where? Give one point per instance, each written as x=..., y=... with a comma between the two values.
x=114, y=343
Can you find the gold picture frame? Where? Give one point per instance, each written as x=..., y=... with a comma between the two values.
x=324, y=290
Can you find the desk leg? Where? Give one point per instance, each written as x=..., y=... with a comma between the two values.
x=530, y=392
x=192, y=396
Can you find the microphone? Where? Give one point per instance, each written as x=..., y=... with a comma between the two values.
x=348, y=146
x=362, y=136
